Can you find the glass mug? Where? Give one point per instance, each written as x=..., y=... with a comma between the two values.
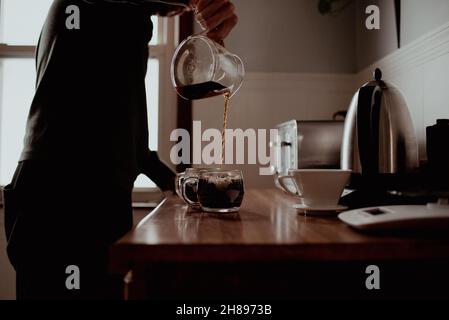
x=202, y=68
x=218, y=191
x=188, y=191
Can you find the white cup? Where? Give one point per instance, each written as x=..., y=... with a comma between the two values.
x=316, y=187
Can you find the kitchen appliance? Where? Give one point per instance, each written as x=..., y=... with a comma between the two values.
x=379, y=142
x=434, y=215
x=307, y=145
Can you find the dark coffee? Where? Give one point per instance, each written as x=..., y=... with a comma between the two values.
x=202, y=90
x=220, y=193
x=191, y=191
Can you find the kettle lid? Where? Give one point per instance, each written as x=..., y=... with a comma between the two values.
x=377, y=79
x=377, y=75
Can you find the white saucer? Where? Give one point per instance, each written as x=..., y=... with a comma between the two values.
x=319, y=209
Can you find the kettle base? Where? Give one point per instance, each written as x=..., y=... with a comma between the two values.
x=369, y=198
x=417, y=188
x=388, y=181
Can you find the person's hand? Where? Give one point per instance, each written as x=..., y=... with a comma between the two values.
x=217, y=17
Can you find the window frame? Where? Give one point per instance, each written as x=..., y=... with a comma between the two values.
x=162, y=51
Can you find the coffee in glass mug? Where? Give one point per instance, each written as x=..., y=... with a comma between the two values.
x=218, y=191
x=221, y=191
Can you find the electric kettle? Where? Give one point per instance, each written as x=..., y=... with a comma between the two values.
x=379, y=141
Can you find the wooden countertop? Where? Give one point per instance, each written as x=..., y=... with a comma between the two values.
x=266, y=229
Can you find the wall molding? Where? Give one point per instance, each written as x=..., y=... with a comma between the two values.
x=423, y=50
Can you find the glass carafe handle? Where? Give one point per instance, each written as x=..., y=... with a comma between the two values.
x=241, y=73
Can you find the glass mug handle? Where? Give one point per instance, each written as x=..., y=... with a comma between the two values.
x=183, y=191
x=178, y=184
x=282, y=182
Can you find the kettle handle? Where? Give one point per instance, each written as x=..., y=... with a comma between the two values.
x=368, y=118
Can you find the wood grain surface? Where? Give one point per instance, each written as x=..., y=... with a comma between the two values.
x=267, y=229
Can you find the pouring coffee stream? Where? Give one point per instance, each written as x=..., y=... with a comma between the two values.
x=225, y=125
x=202, y=68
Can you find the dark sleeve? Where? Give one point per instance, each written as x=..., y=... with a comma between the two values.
x=158, y=171
x=167, y=7
x=158, y=7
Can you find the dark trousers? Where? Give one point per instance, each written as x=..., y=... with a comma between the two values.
x=62, y=215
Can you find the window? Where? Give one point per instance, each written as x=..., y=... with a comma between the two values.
x=20, y=25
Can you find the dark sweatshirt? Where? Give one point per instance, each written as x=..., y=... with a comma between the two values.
x=89, y=108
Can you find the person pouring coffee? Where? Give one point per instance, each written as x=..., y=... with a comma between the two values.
x=86, y=141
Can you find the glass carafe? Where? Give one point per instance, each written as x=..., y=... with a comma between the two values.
x=202, y=68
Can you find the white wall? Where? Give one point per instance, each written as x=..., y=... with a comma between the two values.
x=290, y=36
x=371, y=45
x=420, y=17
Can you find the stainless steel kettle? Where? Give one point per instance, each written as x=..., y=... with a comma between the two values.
x=379, y=140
